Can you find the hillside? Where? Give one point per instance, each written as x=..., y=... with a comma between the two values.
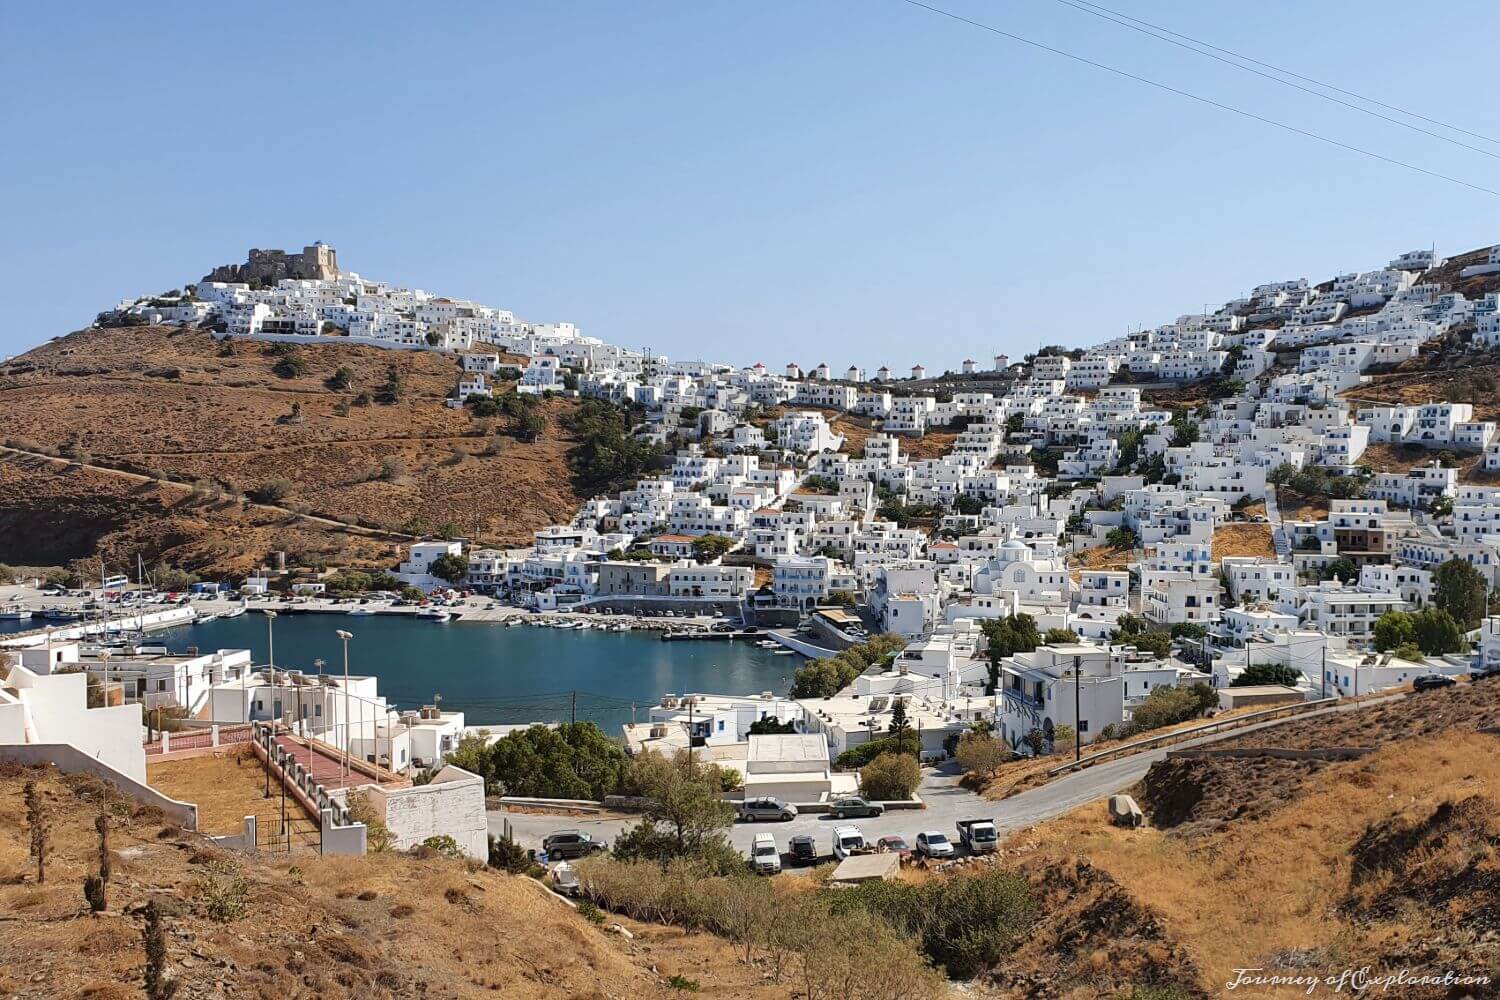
x=173, y=403
x=385, y=925
x=1305, y=867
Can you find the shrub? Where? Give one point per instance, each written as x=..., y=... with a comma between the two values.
x=444, y=845
x=378, y=836
x=890, y=776
x=273, y=491
x=392, y=469
x=509, y=856
x=981, y=753
x=862, y=753
x=590, y=912
x=290, y=365
x=224, y=890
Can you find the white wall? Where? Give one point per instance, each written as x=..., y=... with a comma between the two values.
x=452, y=804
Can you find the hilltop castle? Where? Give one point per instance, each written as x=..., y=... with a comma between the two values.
x=266, y=267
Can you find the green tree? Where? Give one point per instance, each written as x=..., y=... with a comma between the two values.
x=1267, y=673
x=1393, y=629
x=449, y=567
x=1341, y=568
x=1055, y=636
x=982, y=754
x=685, y=812
x=1437, y=632
x=1007, y=637
x=890, y=776
x=1460, y=590
x=573, y=761
x=391, y=389
x=771, y=726
x=341, y=379
x=707, y=548
x=1121, y=538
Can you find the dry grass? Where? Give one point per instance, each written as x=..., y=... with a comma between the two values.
x=1274, y=885
x=1100, y=557
x=1243, y=540
x=381, y=926
x=1296, y=507
x=226, y=788
x=223, y=418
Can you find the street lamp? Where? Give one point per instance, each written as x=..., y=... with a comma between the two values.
x=271, y=661
x=104, y=658
x=346, y=636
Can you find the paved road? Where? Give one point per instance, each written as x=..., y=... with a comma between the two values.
x=947, y=801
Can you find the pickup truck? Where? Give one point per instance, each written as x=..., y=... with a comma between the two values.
x=978, y=835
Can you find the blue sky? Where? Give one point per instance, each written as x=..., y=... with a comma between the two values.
x=834, y=181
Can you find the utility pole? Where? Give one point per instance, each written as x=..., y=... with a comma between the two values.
x=1325, y=668
x=574, y=701
x=1077, y=712
x=692, y=703
x=271, y=661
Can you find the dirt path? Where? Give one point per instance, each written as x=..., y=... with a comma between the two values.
x=135, y=477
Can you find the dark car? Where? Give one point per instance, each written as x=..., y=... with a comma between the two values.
x=1485, y=673
x=571, y=844
x=855, y=806
x=1431, y=682
x=802, y=850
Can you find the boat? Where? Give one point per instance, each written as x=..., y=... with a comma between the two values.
x=233, y=612
x=205, y=619
x=15, y=613
x=783, y=652
x=434, y=614
x=59, y=614
x=361, y=611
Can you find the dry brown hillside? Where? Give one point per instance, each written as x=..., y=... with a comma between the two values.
x=170, y=401
x=386, y=925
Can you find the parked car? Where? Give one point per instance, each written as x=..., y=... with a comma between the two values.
x=803, y=850
x=565, y=879
x=1431, y=682
x=768, y=808
x=765, y=858
x=848, y=841
x=855, y=806
x=571, y=844
x=895, y=845
x=934, y=844
x=1485, y=673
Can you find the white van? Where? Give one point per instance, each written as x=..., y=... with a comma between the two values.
x=765, y=857
x=847, y=840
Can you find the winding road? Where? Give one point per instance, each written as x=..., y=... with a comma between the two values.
x=947, y=801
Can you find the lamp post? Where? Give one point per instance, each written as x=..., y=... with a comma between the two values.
x=104, y=691
x=271, y=662
x=346, y=636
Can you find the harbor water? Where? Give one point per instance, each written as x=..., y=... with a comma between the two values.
x=499, y=675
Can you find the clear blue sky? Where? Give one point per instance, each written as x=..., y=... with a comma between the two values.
x=814, y=181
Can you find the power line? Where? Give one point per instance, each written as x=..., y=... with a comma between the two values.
x=1299, y=76
x=1204, y=100
x=1105, y=14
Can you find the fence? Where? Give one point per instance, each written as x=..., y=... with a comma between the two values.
x=198, y=739
x=1223, y=725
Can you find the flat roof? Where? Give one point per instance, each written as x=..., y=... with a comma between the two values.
x=865, y=867
x=801, y=747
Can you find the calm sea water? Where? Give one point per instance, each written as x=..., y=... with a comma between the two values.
x=495, y=674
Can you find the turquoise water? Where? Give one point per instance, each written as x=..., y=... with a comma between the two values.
x=495, y=674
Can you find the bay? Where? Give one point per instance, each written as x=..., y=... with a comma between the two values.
x=495, y=674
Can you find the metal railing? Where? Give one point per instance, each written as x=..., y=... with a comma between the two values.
x=289, y=770
x=1180, y=735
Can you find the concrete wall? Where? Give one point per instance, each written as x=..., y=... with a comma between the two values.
x=57, y=705
x=71, y=760
x=452, y=804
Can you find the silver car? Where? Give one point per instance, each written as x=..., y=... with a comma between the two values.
x=766, y=808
